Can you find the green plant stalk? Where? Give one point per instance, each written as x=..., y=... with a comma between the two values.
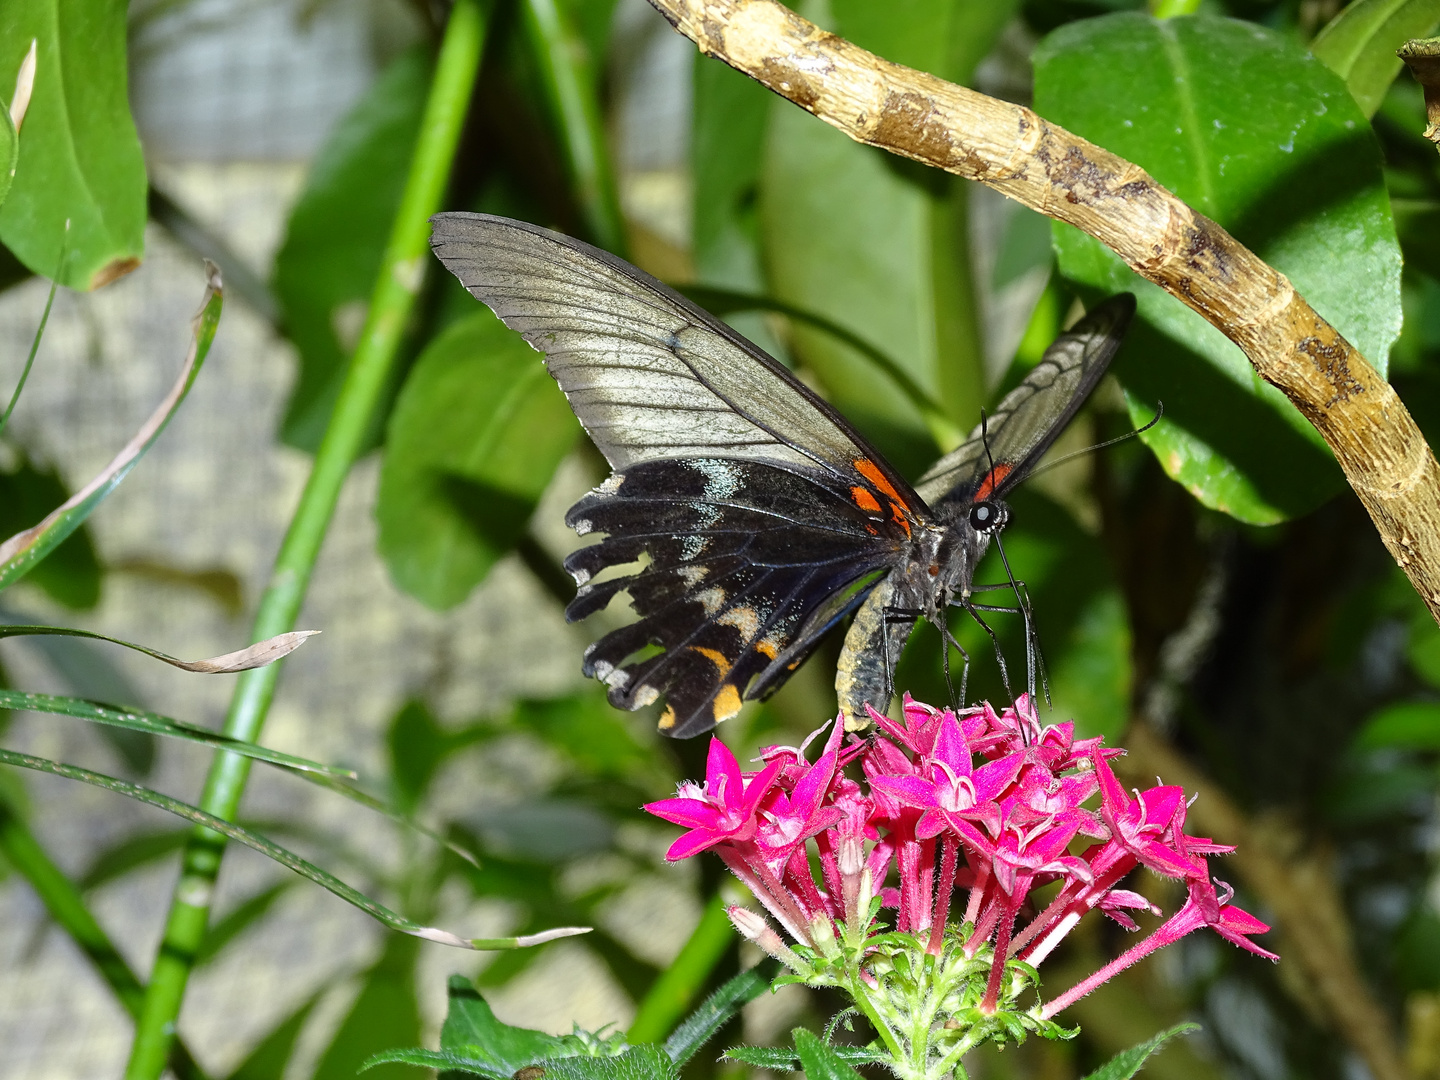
x=1169, y=9
x=371, y=366
x=570, y=86
x=673, y=991
x=66, y=905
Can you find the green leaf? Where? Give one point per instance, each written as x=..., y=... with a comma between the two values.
x=818, y=1060
x=279, y=854
x=1410, y=725
x=716, y=1011
x=385, y=1015
x=1128, y=1062
x=70, y=575
x=442, y=1061
x=79, y=156
x=417, y=746
x=472, y=1030
x=478, y=431
x=1272, y=146
x=270, y=1056
x=1359, y=44
x=325, y=271
x=24, y=550
x=155, y=724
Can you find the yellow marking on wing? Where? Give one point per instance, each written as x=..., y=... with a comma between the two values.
x=667, y=718
x=715, y=656
x=727, y=703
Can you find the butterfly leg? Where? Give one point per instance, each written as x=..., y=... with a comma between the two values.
x=1034, y=659
x=894, y=615
x=949, y=640
x=974, y=611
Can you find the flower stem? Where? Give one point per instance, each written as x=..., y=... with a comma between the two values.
x=369, y=373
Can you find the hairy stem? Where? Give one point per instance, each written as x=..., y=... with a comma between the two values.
x=401, y=272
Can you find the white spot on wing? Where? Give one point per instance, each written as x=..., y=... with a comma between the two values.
x=581, y=576
x=582, y=526
x=744, y=618
x=711, y=600
x=611, y=484
x=692, y=546
x=692, y=575
x=645, y=696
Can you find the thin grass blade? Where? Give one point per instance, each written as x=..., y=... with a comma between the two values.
x=257, y=655
x=284, y=857
x=155, y=724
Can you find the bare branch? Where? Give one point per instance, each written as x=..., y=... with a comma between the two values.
x=1045, y=167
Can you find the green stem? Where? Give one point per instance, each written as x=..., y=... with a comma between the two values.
x=371, y=367
x=570, y=85
x=65, y=904
x=34, y=348
x=1169, y=9
x=671, y=994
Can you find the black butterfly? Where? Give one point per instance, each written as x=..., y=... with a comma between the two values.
x=759, y=516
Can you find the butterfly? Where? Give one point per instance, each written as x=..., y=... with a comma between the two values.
x=755, y=516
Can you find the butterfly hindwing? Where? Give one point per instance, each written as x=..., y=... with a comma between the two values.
x=1001, y=452
x=740, y=554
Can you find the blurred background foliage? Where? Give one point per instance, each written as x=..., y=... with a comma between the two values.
x=1214, y=579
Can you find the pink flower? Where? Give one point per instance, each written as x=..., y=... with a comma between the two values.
x=725, y=809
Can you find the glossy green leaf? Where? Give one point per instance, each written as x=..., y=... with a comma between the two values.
x=818, y=1060
x=24, y=550
x=1359, y=44
x=79, y=155
x=1272, y=146
x=880, y=245
x=1128, y=1062
x=155, y=724
x=384, y=1015
x=279, y=854
x=325, y=271
x=1409, y=725
x=478, y=431
x=70, y=574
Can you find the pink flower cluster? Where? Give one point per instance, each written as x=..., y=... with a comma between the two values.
x=997, y=788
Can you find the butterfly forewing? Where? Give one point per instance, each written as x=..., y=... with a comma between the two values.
x=649, y=374
x=1000, y=452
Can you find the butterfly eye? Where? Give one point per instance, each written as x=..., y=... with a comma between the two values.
x=985, y=516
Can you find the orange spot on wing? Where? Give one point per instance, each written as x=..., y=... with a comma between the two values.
x=865, y=500
x=868, y=469
x=899, y=516
x=667, y=718
x=715, y=656
x=767, y=648
x=992, y=480
x=727, y=703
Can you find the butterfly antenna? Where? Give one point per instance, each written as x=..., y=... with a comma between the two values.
x=1159, y=412
x=985, y=439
